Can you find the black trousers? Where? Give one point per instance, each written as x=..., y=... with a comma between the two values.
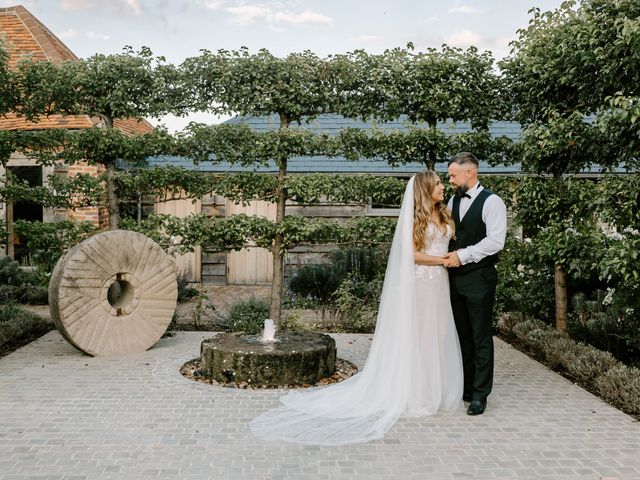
x=472, y=299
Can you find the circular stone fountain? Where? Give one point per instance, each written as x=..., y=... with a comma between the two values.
x=292, y=358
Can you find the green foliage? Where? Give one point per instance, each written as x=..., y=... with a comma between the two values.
x=609, y=320
x=4, y=235
x=550, y=76
x=130, y=84
x=247, y=316
x=47, y=242
x=426, y=86
x=350, y=284
x=316, y=282
x=620, y=386
x=357, y=300
x=18, y=285
x=185, y=292
x=17, y=325
x=557, y=57
x=525, y=281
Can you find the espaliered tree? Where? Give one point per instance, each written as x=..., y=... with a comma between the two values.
x=573, y=75
x=131, y=85
x=296, y=87
x=432, y=87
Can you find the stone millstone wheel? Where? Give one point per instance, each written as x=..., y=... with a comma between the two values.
x=113, y=294
x=295, y=358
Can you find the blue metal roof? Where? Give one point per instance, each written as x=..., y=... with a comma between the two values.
x=332, y=124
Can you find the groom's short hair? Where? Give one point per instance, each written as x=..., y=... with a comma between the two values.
x=464, y=158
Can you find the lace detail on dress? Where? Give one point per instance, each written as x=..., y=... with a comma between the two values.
x=436, y=244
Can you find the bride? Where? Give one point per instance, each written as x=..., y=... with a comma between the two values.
x=414, y=367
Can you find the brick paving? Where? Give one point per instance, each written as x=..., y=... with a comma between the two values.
x=64, y=415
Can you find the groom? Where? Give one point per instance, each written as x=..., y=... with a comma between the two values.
x=480, y=218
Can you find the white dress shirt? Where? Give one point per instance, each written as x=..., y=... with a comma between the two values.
x=494, y=216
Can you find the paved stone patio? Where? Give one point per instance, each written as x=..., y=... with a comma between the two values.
x=64, y=415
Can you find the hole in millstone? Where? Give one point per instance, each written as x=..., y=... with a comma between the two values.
x=120, y=294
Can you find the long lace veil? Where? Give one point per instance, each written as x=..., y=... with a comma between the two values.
x=365, y=406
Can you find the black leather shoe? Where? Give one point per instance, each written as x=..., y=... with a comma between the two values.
x=476, y=407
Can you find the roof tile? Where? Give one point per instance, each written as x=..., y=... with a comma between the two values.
x=26, y=36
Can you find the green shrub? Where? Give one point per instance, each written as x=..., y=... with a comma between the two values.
x=525, y=283
x=558, y=350
x=316, y=282
x=620, y=386
x=588, y=363
x=365, y=262
x=247, y=316
x=320, y=282
x=356, y=301
x=185, y=292
x=609, y=320
x=18, y=285
x=522, y=329
x=17, y=324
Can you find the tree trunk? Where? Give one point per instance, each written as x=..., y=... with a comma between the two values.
x=114, y=213
x=11, y=238
x=431, y=161
x=112, y=199
x=561, y=299
x=275, y=309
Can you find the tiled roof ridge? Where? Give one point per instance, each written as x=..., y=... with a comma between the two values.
x=44, y=37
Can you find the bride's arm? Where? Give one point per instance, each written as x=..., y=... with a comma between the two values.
x=421, y=258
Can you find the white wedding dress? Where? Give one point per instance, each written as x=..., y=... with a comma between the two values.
x=414, y=367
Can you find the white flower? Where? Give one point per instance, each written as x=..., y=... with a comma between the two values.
x=608, y=298
x=614, y=236
x=632, y=231
x=520, y=268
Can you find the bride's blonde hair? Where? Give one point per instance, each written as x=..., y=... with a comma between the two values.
x=424, y=206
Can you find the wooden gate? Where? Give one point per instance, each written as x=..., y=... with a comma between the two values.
x=252, y=265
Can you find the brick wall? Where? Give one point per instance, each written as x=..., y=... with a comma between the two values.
x=98, y=216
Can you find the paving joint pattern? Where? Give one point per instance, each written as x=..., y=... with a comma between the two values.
x=65, y=415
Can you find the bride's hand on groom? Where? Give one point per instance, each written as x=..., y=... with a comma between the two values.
x=451, y=260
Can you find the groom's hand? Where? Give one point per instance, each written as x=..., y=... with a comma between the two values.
x=451, y=260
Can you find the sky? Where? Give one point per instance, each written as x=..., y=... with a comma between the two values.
x=177, y=29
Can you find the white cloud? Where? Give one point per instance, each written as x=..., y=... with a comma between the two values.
x=127, y=6
x=274, y=13
x=248, y=14
x=302, y=18
x=212, y=4
x=123, y=6
x=69, y=33
x=463, y=39
x=71, y=5
x=428, y=20
x=463, y=9
x=98, y=36
x=366, y=38
x=273, y=28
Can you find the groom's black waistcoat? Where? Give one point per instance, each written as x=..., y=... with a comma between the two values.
x=471, y=230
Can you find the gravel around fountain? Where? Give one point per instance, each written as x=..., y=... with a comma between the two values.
x=193, y=370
